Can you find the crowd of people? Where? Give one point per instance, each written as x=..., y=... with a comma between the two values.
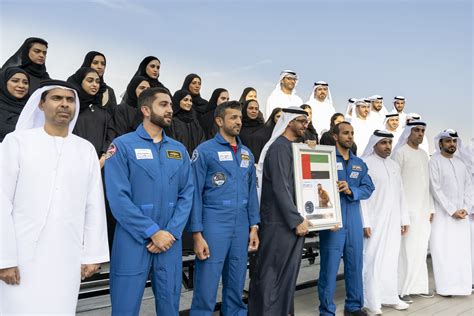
x=81, y=171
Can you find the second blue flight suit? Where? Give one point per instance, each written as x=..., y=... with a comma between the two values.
x=150, y=188
x=225, y=206
x=347, y=241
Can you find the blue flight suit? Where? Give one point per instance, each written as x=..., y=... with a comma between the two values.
x=225, y=205
x=347, y=241
x=150, y=187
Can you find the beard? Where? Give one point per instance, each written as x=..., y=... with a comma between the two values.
x=159, y=120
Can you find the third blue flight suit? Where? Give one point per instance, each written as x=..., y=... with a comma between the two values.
x=347, y=241
x=150, y=188
x=225, y=206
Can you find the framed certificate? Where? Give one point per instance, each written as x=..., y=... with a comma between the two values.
x=317, y=196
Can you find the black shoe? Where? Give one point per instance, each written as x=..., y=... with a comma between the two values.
x=355, y=313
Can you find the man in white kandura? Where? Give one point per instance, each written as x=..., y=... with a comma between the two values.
x=362, y=124
x=52, y=216
x=413, y=162
x=321, y=103
x=284, y=94
x=385, y=219
x=450, y=243
x=377, y=110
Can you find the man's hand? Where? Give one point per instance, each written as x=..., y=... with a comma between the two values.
x=460, y=214
x=10, y=276
x=254, y=241
x=102, y=161
x=404, y=229
x=88, y=270
x=201, y=249
x=431, y=217
x=344, y=187
x=302, y=229
x=163, y=240
x=367, y=232
x=151, y=247
x=336, y=228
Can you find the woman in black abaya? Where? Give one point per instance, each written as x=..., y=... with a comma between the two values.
x=14, y=87
x=31, y=57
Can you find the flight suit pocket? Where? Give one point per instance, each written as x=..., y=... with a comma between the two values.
x=146, y=208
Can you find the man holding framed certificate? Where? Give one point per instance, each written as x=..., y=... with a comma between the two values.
x=354, y=184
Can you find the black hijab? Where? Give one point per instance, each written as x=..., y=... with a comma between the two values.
x=85, y=99
x=199, y=104
x=207, y=119
x=247, y=121
x=7, y=101
x=21, y=59
x=141, y=71
x=178, y=112
x=88, y=63
x=244, y=94
x=131, y=90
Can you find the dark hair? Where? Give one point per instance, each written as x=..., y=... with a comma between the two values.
x=335, y=129
x=334, y=117
x=220, y=110
x=148, y=96
x=305, y=106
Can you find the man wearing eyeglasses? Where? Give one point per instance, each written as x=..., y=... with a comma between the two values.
x=282, y=228
x=284, y=94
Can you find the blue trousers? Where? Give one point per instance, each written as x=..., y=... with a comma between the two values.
x=129, y=269
x=228, y=248
x=346, y=242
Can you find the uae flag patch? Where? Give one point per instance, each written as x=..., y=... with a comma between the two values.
x=315, y=166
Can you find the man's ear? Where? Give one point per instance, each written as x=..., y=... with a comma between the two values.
x=219, y=121
x=145, y=111
x=41, y=105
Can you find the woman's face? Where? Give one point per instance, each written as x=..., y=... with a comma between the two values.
x=195, y=86
x=98, y=64
x=223, y=97
x=18, y=85
x=142, y=87
x=252, y=95
x=277, y=116
x=37, y=53
x=153, y=69
x=186, y=103
x=252, y=110
x=91, y=83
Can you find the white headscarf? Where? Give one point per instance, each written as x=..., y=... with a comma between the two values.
x=322, y=111
x=288, y=115
x=449, y=133
x=32, y=117
x=406, y=133
x=389, y=116
x=377, y=136
x=350, y=108
x=320, y=84
x=398, y=97
x=283, y=74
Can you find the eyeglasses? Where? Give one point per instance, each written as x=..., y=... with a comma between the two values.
x=303, y=122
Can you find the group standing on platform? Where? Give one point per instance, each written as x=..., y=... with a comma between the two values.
x=86, y=179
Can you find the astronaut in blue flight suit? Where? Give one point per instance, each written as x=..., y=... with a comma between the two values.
x=354, y=185
x=150, y=187
x=225, y=210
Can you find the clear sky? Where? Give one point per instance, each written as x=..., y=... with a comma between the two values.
x=420, y=49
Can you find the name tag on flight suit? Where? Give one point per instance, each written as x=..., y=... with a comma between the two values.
x=143, y=153
x=225, y=156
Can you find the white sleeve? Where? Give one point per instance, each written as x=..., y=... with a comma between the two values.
x=468, y=202
x=364, y=212
x=9, y=170
x=436, y=188
x=95, y=247
x=404, y=213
